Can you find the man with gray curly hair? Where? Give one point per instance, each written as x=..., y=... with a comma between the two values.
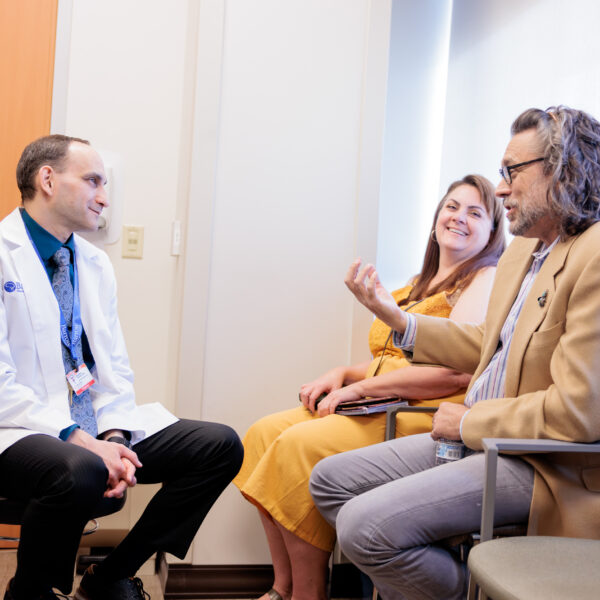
x=535, y=375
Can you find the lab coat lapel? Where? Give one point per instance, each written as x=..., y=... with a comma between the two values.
x=41, y=302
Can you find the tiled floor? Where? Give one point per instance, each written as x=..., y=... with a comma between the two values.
x=8, y=563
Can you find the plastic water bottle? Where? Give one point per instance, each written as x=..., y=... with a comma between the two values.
x=448, y=451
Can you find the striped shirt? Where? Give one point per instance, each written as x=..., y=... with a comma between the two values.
x=490, y=384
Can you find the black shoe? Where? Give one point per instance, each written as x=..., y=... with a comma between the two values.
x=47, y=596
x=93, y=587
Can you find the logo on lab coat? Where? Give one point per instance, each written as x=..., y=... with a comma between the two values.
x=13, y=286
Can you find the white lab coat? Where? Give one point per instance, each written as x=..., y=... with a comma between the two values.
x=34, y=394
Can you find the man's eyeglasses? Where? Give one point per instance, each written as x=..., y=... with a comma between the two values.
x=506, y=169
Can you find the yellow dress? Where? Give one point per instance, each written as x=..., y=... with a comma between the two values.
x=281, y=449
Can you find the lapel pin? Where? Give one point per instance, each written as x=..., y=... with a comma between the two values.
x=542, y=299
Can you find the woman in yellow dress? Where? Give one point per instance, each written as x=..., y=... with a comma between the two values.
x=281, y=449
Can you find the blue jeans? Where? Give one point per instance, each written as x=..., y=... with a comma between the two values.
x=391, y=505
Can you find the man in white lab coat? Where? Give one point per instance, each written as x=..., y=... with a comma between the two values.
x=71, y=433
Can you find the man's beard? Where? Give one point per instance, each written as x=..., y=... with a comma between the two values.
x=529, y=214
x=526, y=218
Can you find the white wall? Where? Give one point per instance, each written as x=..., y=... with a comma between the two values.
x=294, y=145
x=125, y=95
x=120, y=82
x=418, y=62
x=507, y=56
x=260, y=126
x=501, y=56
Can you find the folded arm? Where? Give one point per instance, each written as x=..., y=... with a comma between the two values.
x=411, y=383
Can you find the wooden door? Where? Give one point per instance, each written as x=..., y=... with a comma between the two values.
x=27, y=38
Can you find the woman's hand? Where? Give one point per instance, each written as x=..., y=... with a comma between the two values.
x=330, y=381
x=328, y=405
x=365, y=285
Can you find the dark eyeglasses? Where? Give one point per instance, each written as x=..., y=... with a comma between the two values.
x=506, y=169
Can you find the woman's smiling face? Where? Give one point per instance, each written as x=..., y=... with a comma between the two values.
x=463, y=225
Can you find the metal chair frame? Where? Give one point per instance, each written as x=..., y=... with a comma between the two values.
x=492, y=447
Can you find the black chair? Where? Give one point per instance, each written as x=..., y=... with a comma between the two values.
x=11, y=513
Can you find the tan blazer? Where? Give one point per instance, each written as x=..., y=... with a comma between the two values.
x=552, y=379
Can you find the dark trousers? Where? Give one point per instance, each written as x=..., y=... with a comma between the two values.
x=63, y=483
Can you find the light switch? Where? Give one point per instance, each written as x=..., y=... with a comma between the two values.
x=133, y=241
x=176, y=238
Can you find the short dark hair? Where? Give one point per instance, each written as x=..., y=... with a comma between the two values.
x=570, y=143
x=487, y=257
x=48, y=150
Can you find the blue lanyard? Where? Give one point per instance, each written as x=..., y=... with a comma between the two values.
x=71, y=342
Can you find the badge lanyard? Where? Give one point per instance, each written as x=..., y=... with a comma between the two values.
x=76, y=326
x=73, y=340
x=80, y=378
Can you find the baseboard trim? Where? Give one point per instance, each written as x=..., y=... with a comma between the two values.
x=187, y=582
x=198, y=582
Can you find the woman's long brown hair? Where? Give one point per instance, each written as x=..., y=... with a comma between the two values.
x=466, y=271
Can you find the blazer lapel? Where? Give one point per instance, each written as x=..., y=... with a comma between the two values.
x=509, y=277
x=534, y=310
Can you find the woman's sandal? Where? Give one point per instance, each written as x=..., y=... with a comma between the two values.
x=274, y=594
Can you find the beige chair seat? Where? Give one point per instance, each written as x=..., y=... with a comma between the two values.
x=528, y=568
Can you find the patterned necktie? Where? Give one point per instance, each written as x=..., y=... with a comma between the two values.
x=81, y=406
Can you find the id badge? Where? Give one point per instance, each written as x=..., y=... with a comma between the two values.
x=80, y=379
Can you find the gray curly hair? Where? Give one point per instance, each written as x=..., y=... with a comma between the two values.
x=570, y=143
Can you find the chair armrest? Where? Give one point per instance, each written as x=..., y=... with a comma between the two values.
x=392, y=411
x=530, y=445
x=492, y=446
